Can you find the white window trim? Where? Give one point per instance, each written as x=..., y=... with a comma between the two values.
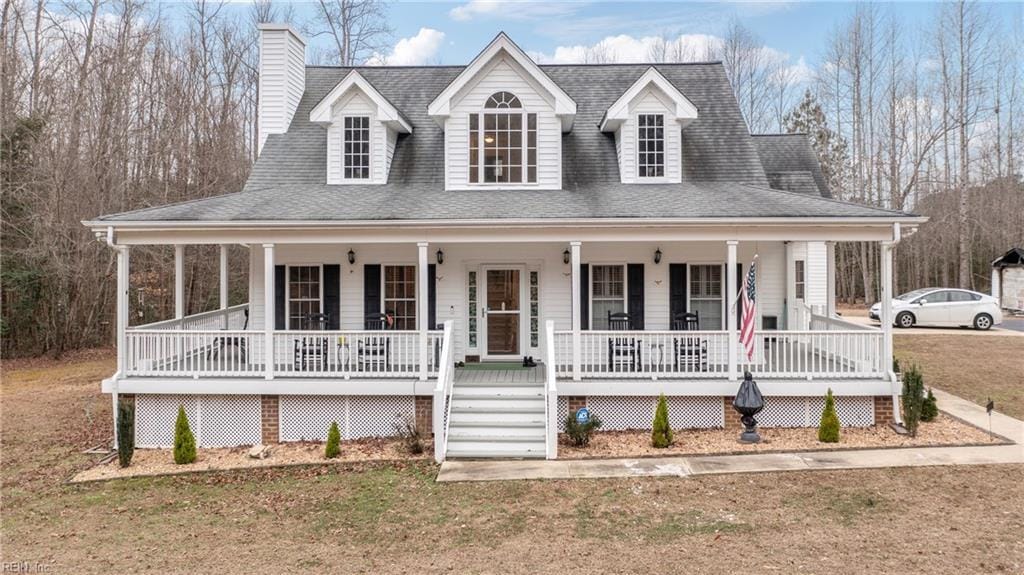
x=689, y=279
x=525, y=154
x=383, y=288
x=344, y=157
x=663, y=178
x=590, y=287
x=288, y=290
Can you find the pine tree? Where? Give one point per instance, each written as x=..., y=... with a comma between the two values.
x=828, y=427
x=184, y=441
x=333, y=448
x=913, y=399
x=125, y=433
x=661, y=431
x=809, y=118
x=930, y=407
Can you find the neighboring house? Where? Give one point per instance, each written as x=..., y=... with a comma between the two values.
x=598, y=218
x=1008, y=279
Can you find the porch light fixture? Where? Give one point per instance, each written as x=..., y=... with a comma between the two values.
x=657, y=256
x=351, y=257
x=566, y=256
x=440, y=257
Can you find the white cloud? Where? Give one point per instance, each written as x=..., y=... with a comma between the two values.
x=625, y=48
x=417, y=50
x=512, y=9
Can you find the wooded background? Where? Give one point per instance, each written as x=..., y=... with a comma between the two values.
x=112, y=105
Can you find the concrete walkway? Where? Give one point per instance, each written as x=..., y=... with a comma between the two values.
x=1002, y=425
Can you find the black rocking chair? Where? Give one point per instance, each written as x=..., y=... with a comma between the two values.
x=691, y=352
x=374, y=351
x=623, y=352
x=311, y=352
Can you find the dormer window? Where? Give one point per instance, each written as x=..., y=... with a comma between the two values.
x=356, y=148
x=503, y=142
x=650, y=145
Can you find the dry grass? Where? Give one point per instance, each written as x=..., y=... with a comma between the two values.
x=383, y=518
x=975, y=368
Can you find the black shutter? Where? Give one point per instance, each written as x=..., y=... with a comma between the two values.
x=676, y=291
x=736, y=290
x=371, y=289
x=280, y=285
x=635, y=288
x=332, y=295
x=431, y=296
x=584, y=296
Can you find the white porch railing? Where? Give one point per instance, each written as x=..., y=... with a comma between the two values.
x=442, y=401
x=705, y=354
x=229, y=318
x=826, y=323
x=354, y=353
x=171, y=352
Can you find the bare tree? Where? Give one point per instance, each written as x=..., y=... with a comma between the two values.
x=357, y=29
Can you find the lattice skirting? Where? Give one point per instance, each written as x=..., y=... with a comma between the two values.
x=308, y=417
x=779, y=411
x=215, y=420
x=684, y=412
x=637, y=412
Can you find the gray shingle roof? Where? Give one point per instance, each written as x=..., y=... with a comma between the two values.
x=723, y=174
x=790, y=163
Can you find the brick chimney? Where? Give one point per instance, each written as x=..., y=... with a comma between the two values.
x=282, y=78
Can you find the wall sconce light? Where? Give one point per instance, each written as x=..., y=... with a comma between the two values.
x=566, y=256
x=440, y=257
x=657, y=256
x=351, y=257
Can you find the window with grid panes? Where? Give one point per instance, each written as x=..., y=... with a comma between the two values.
x=303, y=296
x=400, y=295
x=650, y=143
x=503, y=142
x=356, y=139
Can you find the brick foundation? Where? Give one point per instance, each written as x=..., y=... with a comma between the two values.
x=576, y=402
x=425, y=414
x=270, y=431
x=883, y=410
x=732, y=418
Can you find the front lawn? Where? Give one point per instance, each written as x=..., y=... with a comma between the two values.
x=387, y=519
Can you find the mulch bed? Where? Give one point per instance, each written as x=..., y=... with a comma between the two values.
x=152, y=462
x=944, y=431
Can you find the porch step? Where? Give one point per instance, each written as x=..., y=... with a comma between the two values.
x=497, y=419
x=498, y=393
x=495, y=406
x=497, y=436
x=489, y=449
x=517, y=384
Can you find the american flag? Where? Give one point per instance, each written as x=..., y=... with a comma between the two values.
x=749, y=316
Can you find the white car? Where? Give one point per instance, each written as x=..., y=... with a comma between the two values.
x=943, y=307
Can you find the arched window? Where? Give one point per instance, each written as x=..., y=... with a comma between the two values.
x=502, y=142
x=503, y=100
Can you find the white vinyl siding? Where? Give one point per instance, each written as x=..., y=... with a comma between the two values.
x=650, y=101
x=502, y=74
x=282, y=80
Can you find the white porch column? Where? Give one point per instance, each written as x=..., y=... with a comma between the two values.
x=997, y=291
x=179, y=281
x=830, y=287
x=421, y=307
x=790, y=288
x=122, y=327
x=224, y=282
x=886, y=318
x=577, y=321
x=730, y=308
x=268, y=310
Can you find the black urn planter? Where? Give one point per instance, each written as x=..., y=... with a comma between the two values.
x=748, y=402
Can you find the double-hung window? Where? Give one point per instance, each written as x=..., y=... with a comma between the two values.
x=304, y=296
x=503, y=142
x=706, y=295
x=799, y=278
x=356, y=152
x=650, y=145
x=608, y=293
x=400, y=295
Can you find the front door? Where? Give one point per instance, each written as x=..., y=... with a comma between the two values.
x=502, y=312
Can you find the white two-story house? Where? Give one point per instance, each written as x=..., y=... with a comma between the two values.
x=598, y=218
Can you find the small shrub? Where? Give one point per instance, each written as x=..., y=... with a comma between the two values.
x=895, y=364
x=913, y=399
x=184, y=441
x=828, y=427
x=661, y=432
x=333, y=448
x=929, y=407
x=579, y=433
x=125, y=433
x=409, y=433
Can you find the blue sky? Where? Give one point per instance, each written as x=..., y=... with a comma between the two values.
x=453, y=32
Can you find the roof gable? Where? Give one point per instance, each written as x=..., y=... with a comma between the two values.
x=565, y=107
x=386, y=112
x=684, y=110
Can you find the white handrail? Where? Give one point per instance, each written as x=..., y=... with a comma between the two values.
x=212, y=319
x=442, y=391
x=551, y=396
x=826, y=323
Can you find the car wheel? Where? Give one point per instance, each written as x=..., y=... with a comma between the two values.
x=982, y=321
x=905, y=319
